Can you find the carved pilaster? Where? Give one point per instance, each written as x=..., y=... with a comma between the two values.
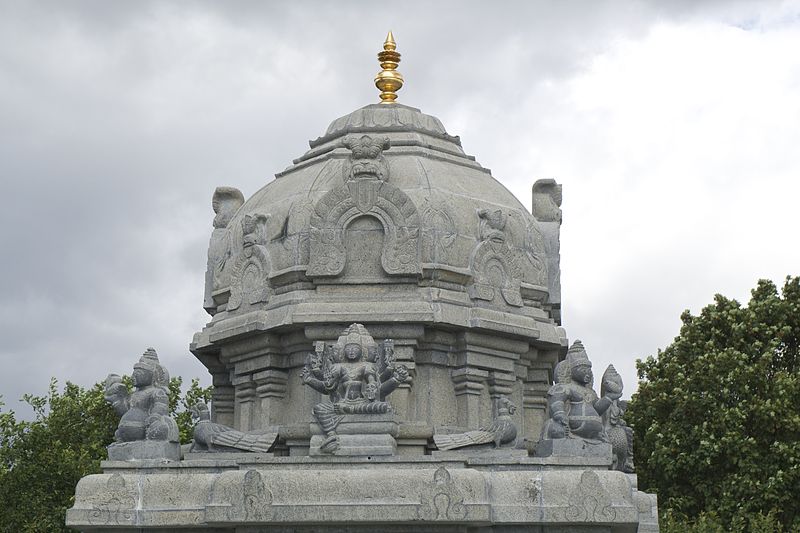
x=271, y=390
x=534, y=398
x=401, y=397
x=500, y=384
x=244, y=409
x=468, y=384
x=222, y=399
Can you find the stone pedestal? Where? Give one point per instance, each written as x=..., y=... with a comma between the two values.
x=572, y=448
x=359, y=435
x=144, y=450
x=250, y=492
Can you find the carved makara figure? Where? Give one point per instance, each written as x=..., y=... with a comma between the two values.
x=502, y=431
x=619, y=434
x=144, y=412
x=356, y=375
x=225, y=202
x=212, y=437
x=573, y=406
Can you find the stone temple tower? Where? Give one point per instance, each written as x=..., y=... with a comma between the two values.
x=388, y=313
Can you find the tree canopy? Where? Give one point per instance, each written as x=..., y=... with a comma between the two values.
x=717, y=413
x=42, y=460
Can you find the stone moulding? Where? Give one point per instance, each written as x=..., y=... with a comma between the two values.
x=265, y=491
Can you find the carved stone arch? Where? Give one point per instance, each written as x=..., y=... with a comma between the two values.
x=487, y=258
x=340, y=206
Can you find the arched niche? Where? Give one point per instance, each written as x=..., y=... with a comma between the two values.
x=334, y=212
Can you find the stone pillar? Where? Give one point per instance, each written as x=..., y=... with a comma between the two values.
x=500, y=384
x=222, y=399
x=271, y=390
x=245, y=402
x=469, y=384
x=401, y=397
x=534, y=398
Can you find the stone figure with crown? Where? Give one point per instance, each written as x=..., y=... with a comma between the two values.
x=356, y=374
x=575, y=425
x=145, y=431
x=620, y=435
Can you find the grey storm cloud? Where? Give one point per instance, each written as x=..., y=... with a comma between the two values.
x=118, y=120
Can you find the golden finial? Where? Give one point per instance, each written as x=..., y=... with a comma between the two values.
x=388, y=80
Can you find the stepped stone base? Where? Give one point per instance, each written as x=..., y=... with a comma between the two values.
x=359, y=435
x=249, y=494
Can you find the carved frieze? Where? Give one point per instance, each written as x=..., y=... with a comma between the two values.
x=365, y=191
x=249, y=279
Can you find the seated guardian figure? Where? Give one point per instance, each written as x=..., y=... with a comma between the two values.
x=574, y=409
x=144, y=412
x=355, y=375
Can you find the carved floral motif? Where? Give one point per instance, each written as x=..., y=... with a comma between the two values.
x=115, y=505
x=442, y=500
x=589, y=501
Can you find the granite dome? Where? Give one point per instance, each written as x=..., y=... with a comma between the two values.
x=385, y=222
x=440, y=205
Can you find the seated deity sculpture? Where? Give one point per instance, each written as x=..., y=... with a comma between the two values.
x=574, y=409
x=356, y=375
x=145, y=411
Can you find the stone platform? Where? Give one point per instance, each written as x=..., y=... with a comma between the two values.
x=263, y=493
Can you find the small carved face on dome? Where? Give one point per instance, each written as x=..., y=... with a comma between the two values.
x=582, y=373
x=366, y=159
x=352, y=352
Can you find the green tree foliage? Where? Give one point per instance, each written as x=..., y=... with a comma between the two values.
x=717, y=416
x=42, y=460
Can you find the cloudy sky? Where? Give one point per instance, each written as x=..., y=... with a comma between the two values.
x=673, y=127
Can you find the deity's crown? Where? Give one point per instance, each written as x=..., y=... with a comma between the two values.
x=357, y=334
x=577, y=355
x=148, y=361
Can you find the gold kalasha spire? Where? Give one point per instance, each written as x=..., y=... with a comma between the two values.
x=388, y=80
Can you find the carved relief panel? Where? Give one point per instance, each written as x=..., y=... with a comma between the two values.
x=365, y=191
x=249, y=277
x=508, y=254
